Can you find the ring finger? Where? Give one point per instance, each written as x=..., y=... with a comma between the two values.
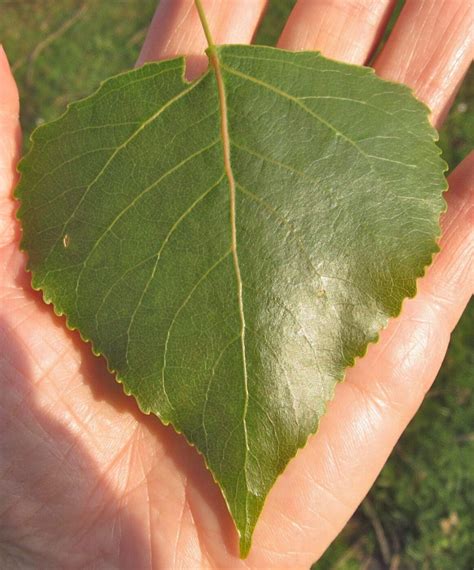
x=429, y=49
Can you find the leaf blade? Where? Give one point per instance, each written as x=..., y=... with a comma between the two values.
x=312, y=176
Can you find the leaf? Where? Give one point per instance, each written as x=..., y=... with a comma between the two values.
x=231, y=245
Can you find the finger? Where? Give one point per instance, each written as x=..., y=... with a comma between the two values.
x=9, y=147
x=9, y=112
x=450, y=284
x=372, y=407
x=340, y=29
x=176, y=29
x=430, y=50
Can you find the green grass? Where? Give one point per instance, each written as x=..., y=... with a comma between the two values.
x=61, y=50
x=424, y=499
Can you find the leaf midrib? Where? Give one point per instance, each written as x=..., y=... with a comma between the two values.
x=216, y=65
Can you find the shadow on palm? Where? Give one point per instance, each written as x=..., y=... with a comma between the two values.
x=53, y=494
x=72, y=484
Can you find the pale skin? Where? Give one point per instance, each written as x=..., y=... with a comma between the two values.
x=87, y=481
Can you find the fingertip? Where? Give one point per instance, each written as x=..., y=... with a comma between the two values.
x=10, y=142
x=3, y=55
x=9, y=100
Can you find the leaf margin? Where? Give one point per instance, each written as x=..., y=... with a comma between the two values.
x=245, y=540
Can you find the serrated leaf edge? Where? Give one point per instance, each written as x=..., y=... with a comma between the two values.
x=245, y=546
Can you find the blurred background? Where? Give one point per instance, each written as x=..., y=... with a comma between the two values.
x=420, y=513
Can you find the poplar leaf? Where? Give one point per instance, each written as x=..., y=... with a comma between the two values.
x=231, y=245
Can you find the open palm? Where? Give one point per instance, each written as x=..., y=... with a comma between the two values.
x=87, y=481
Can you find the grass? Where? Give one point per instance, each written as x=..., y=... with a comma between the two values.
x=419, y=515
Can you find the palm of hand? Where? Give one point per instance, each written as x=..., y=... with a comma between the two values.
x=88, y=481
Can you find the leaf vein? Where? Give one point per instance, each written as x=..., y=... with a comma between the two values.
x=133, y=203
x=173, y=321
x=152, y=118
x=183, y=216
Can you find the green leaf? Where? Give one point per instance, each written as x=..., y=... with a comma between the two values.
x=231, y=245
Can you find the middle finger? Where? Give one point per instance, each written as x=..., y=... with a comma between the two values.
x=341, y=29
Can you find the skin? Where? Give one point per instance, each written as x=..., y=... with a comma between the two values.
x=86, y=481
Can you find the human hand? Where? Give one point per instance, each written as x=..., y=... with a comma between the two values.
x=87, y=481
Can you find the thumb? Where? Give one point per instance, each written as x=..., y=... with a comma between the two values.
x=10, y=142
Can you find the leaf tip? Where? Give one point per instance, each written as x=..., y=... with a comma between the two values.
x=245, y=543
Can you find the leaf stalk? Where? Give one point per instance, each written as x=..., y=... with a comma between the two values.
x=205, y=25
